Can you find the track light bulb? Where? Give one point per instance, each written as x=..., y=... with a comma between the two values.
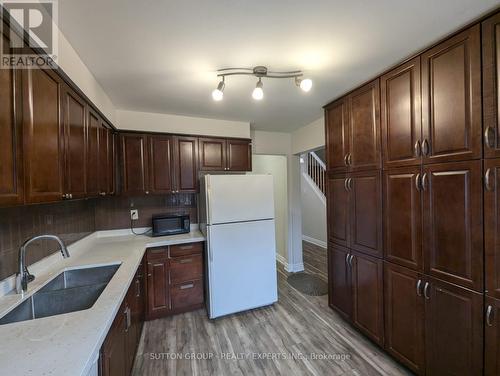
x=304, y=84
x=258, y=93
x=218, y=93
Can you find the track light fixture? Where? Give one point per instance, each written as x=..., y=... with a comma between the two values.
x=305, y=84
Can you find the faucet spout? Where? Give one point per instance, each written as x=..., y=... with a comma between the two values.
x=24, y=276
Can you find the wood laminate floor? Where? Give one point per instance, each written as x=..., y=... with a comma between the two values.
x=298, y=335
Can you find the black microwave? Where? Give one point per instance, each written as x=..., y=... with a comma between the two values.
x=170, y=224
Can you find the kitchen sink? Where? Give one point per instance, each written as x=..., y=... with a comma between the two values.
x=72, y=290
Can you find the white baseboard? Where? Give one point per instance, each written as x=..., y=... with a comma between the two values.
x=294, y=268
x=319, y=243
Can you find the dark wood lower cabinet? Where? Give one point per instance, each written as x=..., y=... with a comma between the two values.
x=339, y=281
x=453, y=329
x=174, y=280
x=492, y=337
x=119, y=348
x=404, y=316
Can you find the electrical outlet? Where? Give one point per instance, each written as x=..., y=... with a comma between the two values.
x=134, y=214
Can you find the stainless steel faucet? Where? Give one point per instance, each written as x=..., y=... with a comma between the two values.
x=23, y=277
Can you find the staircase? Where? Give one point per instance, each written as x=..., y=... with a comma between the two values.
x=316, y=170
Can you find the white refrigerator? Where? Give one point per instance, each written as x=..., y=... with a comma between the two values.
x=237, y=218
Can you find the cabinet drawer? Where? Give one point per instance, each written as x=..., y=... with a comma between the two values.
x=186, y=268
x=157, y=253
x=187, y=294
x=185, y=249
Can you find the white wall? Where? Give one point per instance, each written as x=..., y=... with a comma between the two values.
x=147, y=121
x=275, y=165
x=313, y=205
x=309, y=137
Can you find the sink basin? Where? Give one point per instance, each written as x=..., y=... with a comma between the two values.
x=72, y=290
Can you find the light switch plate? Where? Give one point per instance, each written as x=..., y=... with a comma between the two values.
x=134, y=214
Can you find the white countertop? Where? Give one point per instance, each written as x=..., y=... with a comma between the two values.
x=68, y=344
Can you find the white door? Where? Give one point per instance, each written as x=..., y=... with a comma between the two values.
x=238, y=198
x=241, y=267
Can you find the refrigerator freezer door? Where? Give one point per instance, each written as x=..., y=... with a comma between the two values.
x=241, y=267
x=238, y=198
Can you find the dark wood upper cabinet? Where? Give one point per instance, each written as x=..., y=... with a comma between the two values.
x=75, y=133
x=337, y=135
x=106, y=160
x=453, y=330
x=161, y=164
x=451, y=99
x=364, y=127
x=134, y=163
x=43, y=136
x=365, y=192
x=453, y=235
x=367, y=287
x=492, y=226
x=492, y=337
x=11, y=167
x=404, y=316
x=491, y=89
x=186, y=166
x=403, y=217
x=212, y=154
x=401, y=115
x=339, y=281
x=239, y=155
x=338, y=210
x=93, y=127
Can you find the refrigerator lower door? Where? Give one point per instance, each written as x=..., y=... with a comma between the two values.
x=241, y=267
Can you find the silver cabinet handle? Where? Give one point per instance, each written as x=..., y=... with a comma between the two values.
x=345, y=184
x=187, y=286
x=349, y=184
x=489, y=137
x=138, y=288
x=425, y=147
x=184, y=247
x=419, y=287
x=423, y=183
x=186, y=261
x=127, y=319
x=349, y=159
x=417, y=182
x=487, y=181
x=345, y=159
x=426, y=290
x=347, y=259
x=351, y=257
x=489, y=312
x=418, y=148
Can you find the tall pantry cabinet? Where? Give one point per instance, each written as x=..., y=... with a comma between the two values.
x=416, y=204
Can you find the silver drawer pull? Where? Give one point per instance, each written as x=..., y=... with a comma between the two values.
x=489, y=312
x=184, y=247
x=188, y=286
x=185, y=261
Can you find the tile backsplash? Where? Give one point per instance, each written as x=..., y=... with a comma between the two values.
x=73, y=220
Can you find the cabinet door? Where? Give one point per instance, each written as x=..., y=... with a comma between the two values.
x=157, y=289
x=453, y=330
x=338, y=210
x=114, y=349
x=453, y=227
x=451, y=99
x=134, y=163
x=401, y=115
x=403, y=217
x=491, y=89
x=492, y=337
x=42, y=132
x=75, y=144
x=365, y=191
x=212, y=154
x=492, y=226
x=367, y=286
x=404, y=316
x=337, y=135
x=93, y=126
x=186, y=166
x=239, y=155
x=11, y=169
x=160, y=164
x=339, y=281
x=364, y=127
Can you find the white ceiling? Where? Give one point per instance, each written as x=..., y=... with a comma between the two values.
x=161, y=56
